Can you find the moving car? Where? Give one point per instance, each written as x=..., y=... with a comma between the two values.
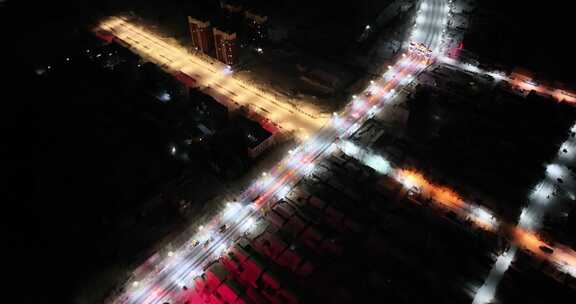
x=223, y=228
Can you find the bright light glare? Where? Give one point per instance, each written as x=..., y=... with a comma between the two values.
x=250, y=222
x=349, y=148
x=554, y=171
x=358, y=103
x=231, y=211
x=497, y=75
x=220, y=250
x=227, y=70
x=165, y=97
x=484, y=217
x=406, y=79
x=541, y=192
x=527, y=219
x=378, y=163
x=308, y=169
x=486, y=293
x=283, y=192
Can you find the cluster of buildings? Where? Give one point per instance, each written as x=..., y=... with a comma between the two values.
x=289, y=243
x=242, y=276
x=222, y=39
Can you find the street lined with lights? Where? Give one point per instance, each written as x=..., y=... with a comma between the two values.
x=521, y=235
x=526, y=84
x=215, y=78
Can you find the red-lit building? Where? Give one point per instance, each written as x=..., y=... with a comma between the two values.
x=226, y=46
x=202, y=37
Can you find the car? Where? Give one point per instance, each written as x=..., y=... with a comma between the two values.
x=546, y=249
x=223, y=228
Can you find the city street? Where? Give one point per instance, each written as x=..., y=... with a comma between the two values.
x=214, y=78
x=181, y=266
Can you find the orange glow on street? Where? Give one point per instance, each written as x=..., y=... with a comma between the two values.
x=440, y=194
x=563, y=256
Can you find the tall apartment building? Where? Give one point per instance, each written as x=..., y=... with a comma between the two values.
x=226, y=46
x=202, y=36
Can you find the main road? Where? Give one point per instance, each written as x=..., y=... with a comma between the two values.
x=214, y=77
x=181, y=266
